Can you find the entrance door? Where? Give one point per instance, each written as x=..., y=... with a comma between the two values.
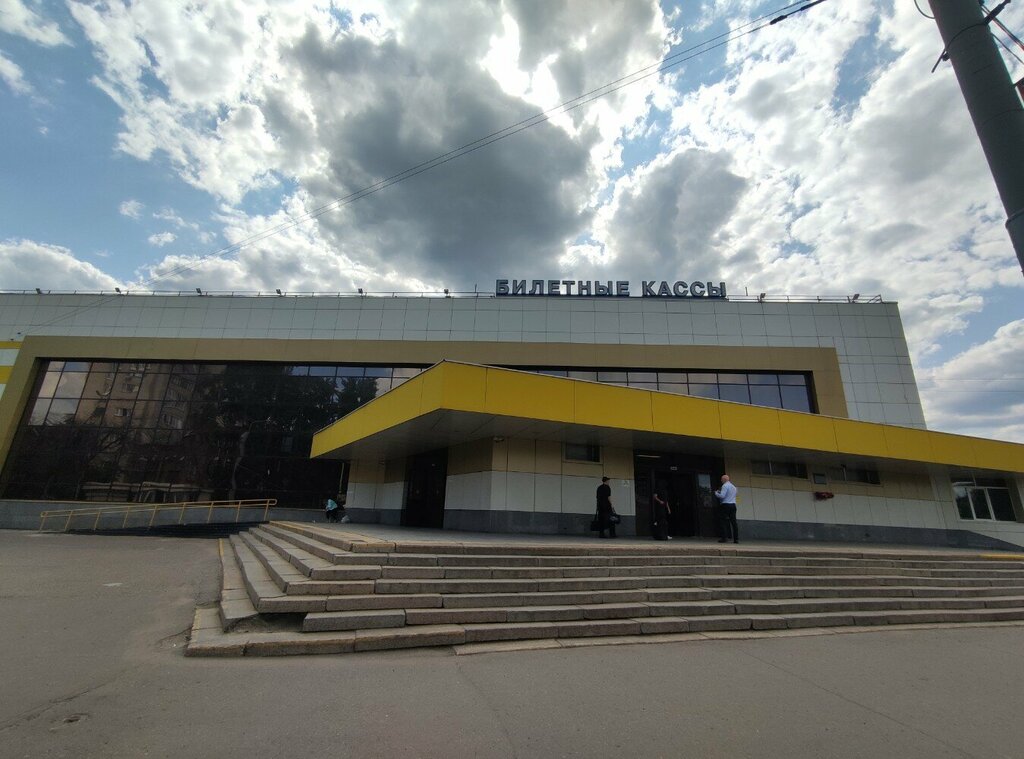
x=683, y=481
x=424, y=490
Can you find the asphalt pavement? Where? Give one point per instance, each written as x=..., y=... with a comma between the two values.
x=92, y=630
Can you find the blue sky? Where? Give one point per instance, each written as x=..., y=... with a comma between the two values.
x=814, y=157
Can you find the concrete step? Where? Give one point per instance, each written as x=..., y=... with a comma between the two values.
x=350, y=620
x=207, y=639
x=318, y=568
x=235, y=607
x=348, y=539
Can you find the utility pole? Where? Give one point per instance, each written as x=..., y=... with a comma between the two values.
x=992, y=101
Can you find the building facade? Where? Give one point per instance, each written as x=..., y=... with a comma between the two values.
x=811, y=407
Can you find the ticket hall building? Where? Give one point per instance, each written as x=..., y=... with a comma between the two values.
x=494, y=412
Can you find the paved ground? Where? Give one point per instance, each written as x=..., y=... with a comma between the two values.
x=90, y=658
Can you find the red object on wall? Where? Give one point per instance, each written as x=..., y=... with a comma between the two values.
x=821, y=495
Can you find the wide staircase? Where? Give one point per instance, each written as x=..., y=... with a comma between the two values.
x=292, y=588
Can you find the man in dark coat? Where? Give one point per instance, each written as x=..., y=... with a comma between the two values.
x=605, y=509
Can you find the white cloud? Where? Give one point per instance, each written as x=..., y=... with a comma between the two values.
x=161, y=239
x=13, y=76
x=981, y=391
x=17, y=18
x=131, y=209
x=25, y=265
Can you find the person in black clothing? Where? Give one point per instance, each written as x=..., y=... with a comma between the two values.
x=661, y=513
x=605, y=509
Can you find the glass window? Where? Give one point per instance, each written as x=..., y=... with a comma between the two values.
x=1002, y=507
x=735, y=393
x=795, y=398
x=732, y=379
x=673, y=377
x=644, y=385
x=582, y=452
x=298, y=371
x=647, y=377
x=38, y=415
x=403, y=371
x=678, y=389
x=761, y=467
x=616, y=377
x=76, y=366
x=61, y=411
x=588, y=376
x=961, y=494
x=321, y=371
x=793, y=379
x=982, y=498
x=704, y=391
x=763, y=379
x=979, y=502
x=378, y=371
x=351, y=371
x=766, y=395
x=49, y=386
x=706, y=379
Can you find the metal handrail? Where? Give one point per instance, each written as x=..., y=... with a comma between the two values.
x=133, y=508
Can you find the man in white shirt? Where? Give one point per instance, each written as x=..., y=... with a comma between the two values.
x=727, y=511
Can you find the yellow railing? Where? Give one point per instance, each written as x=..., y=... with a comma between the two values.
x=155, y=508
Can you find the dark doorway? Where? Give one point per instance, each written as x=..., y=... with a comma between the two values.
x=683, y=481
x=424, y=490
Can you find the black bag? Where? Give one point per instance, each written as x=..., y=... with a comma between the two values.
x=615, y=519
x=595, y=525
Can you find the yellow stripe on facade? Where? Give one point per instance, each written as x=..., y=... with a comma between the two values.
x=5, y=374
x=506, y=392
x=9, y=345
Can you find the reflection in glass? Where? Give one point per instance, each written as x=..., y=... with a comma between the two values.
x=795, y=398
x=49, y=385
x=766, y=395
x=734, y=393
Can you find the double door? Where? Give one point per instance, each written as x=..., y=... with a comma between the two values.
x=685, y=482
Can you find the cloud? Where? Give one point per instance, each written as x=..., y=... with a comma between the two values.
x=13, y=76
x=20, y=20
x=161, y=239
x=981, y=390
x=246, y=98
x=25, y=265
x=131, y=209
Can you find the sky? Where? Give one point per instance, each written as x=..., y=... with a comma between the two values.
x=816, y=156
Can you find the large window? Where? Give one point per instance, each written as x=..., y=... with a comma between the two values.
x=785, y=390
x=983, y=498
x=170, y=431
x=779, y=469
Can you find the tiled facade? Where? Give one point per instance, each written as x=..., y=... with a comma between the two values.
x=877, y=375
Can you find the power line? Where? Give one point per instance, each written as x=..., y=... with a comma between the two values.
x=665, y=64
x=1008, y=49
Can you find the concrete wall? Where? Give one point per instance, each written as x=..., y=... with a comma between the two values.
x=528, y=486
x=906, y=507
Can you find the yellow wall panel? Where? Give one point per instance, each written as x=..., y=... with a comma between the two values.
x=529, y=396
x=807, y=431
x=953, y=449
x=993, y=454
x=464, y=387
x=611, y=406
x=432, y=388
x=750, y=424
x=860, y=438
x=5, y=374
x=680, y=415
x=907, y=443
